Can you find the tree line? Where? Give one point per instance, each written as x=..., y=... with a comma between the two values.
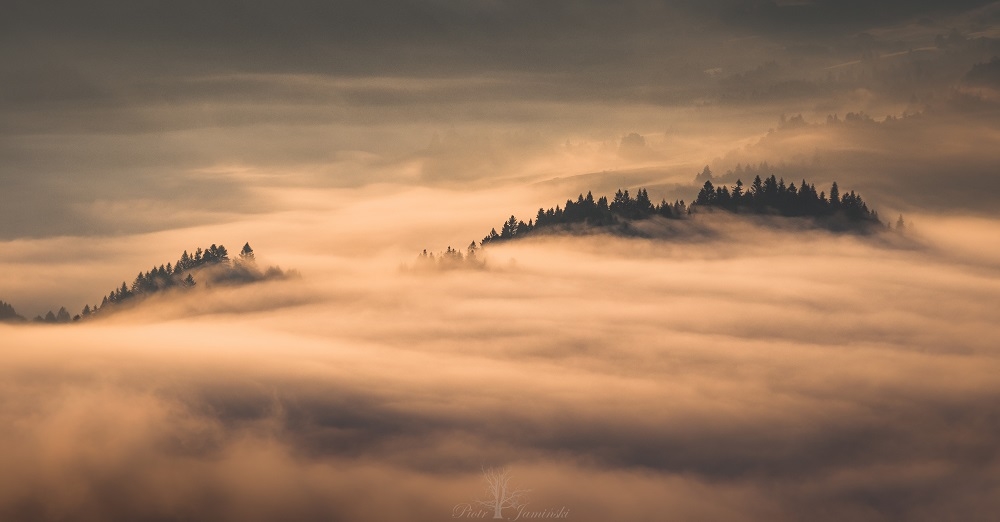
x=588, y=211
x=769, y=195
x=172, y=275
x=7, y=313
x=772, y=196
x=450, y=259
x=212, y=264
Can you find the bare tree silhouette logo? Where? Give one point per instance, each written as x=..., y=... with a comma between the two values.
x=500, y=493
x=505, y=501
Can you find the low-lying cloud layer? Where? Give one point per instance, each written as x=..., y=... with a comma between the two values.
x=759, y=373
x=729, y=368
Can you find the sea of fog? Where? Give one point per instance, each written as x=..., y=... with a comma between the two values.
x=728, y=370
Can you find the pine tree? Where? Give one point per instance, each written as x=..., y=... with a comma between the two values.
x=7, y=311
x=246, y=254
x=738, y=192
x=522, y=228
x=493, y=236
x=642, y=203
x=509, y=229
x=707, y=194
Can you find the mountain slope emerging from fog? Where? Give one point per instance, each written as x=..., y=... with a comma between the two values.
x=770, y=196
x=209, y=266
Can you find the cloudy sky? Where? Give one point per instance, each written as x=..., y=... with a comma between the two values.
x=725, y=368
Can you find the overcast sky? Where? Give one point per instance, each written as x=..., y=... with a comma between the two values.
x=118, y=117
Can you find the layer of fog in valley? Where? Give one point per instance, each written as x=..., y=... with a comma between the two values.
x=740, y=362
x=742, y=372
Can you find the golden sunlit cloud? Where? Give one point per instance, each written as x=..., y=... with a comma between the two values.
x=760, y=359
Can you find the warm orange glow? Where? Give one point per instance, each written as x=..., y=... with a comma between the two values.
x=755, y=360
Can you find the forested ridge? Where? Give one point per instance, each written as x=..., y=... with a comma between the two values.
x=210, y=265
x=765, y=196
x=770, y=195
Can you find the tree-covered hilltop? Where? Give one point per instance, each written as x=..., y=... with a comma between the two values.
x=590, y=212
x=769, y=196
x=211, y=265
x=173, y=275
x=772, y=196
